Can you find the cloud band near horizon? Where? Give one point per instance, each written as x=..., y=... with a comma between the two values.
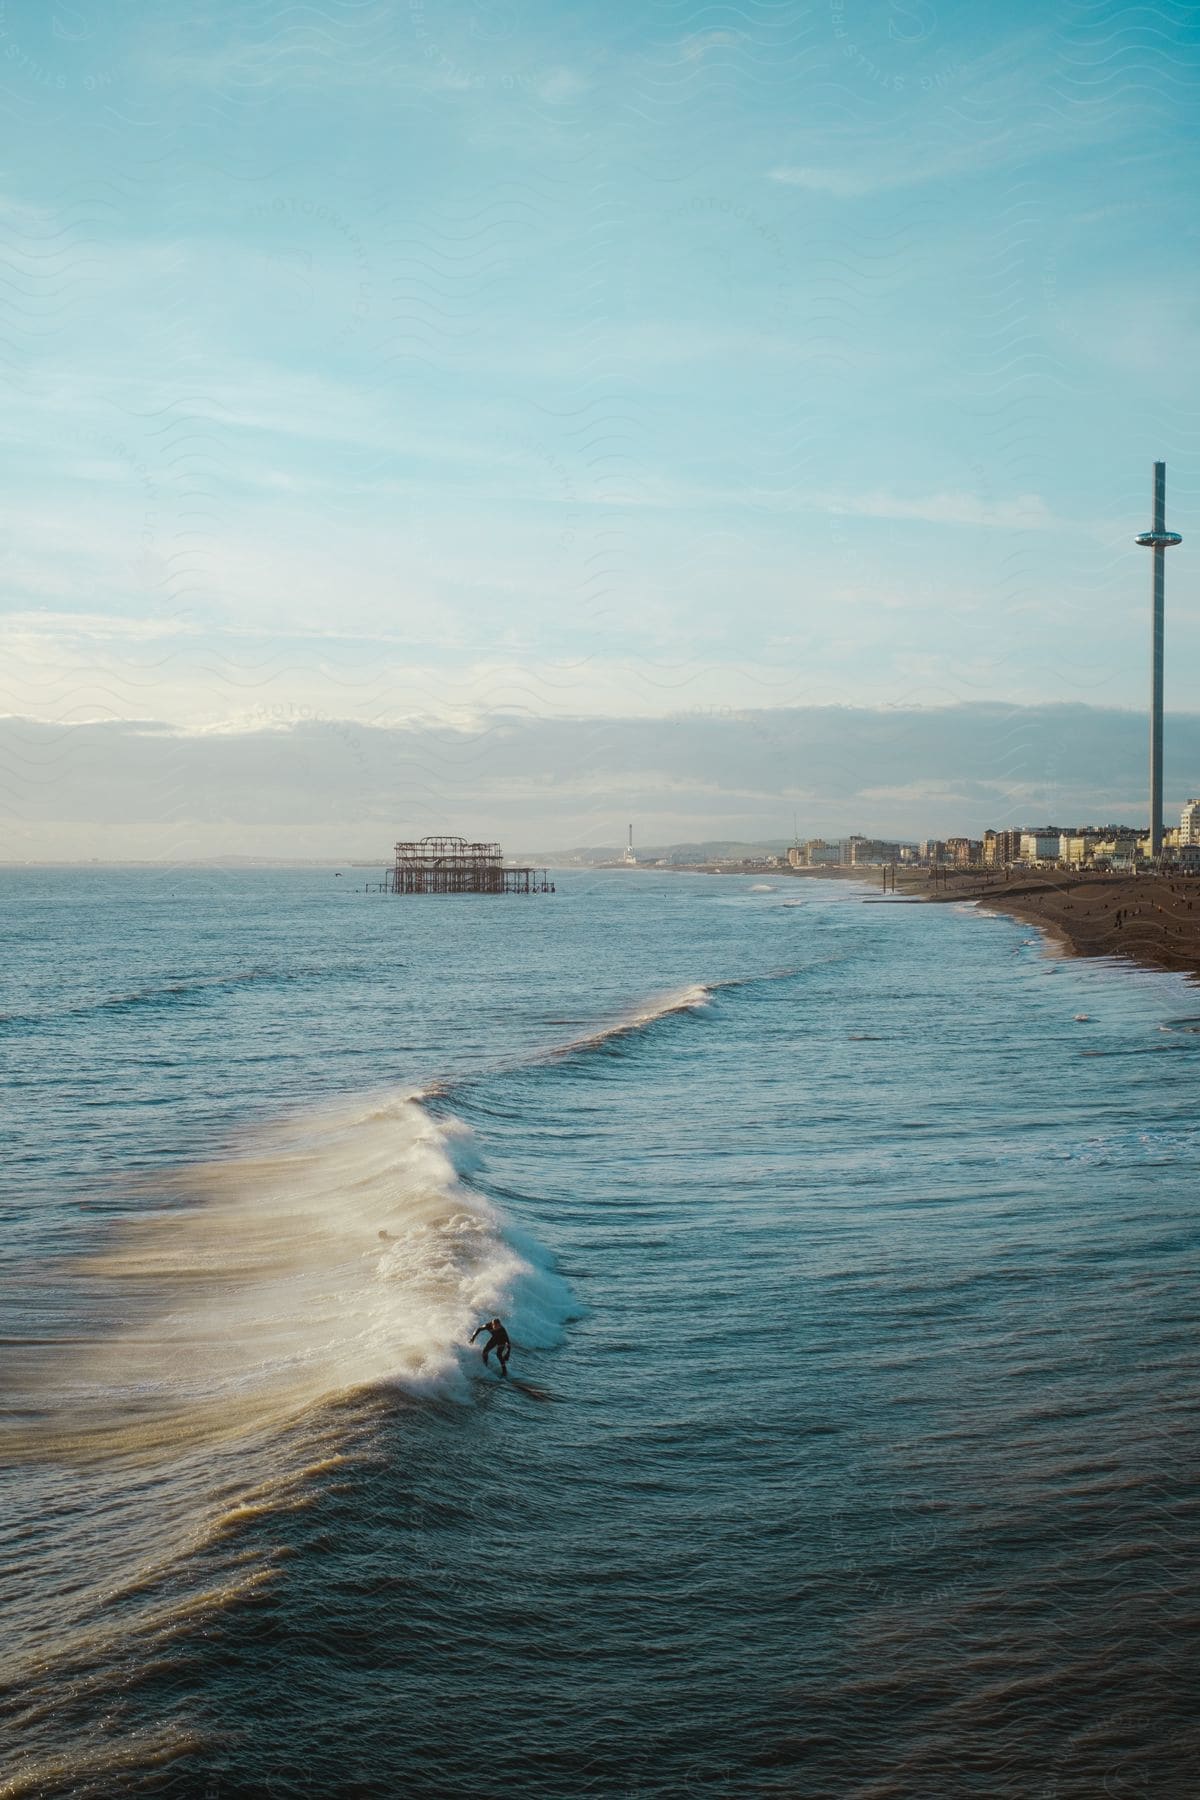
x=339, y=788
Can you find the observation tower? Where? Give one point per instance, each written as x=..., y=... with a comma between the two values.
x=1160, y=540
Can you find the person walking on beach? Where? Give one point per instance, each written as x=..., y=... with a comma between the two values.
x=499, y=1341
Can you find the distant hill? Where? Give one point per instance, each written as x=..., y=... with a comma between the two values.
x=592, y=855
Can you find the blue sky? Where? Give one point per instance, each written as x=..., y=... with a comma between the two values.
x=437, y=360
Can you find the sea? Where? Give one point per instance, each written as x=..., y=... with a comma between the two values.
x=848, y=1251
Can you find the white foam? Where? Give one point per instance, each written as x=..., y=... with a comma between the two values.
x=341, y=1249
x=685, y=999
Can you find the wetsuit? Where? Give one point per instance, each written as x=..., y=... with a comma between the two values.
x=499, y=1342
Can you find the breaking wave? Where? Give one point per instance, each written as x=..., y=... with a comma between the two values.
x=213, y=1362
x=693, y=998
x=342, y=1248
x=212, y=1365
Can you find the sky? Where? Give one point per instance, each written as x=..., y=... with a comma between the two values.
x=545, y=784
x=447, y=373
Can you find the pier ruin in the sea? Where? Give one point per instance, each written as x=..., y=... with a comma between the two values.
x=451, y=865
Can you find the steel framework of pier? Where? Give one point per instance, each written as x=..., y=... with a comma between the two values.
x=451, y=865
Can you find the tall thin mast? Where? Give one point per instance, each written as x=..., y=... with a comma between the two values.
x=1160, y=540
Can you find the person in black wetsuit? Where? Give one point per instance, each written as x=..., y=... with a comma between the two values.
x=499, y=1341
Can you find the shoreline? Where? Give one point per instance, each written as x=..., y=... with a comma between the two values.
x=1152, y=921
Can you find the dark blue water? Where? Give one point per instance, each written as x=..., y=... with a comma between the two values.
x=851, y=1277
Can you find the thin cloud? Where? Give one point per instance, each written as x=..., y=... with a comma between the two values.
x=1027, y=512
x=843, y=184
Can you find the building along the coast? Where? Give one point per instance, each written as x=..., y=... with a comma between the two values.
x=1001, y=848
x=1040, y=846
x=856, y=851
x=1076, y=848
x=1091, y=846
x=1119, y=849
x=862, y=850
x=813, y=853
x=1073, y=847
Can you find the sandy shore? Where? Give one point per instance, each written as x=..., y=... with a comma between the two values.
x=1150, y=919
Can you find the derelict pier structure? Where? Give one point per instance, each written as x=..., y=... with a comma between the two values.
x=451, y=865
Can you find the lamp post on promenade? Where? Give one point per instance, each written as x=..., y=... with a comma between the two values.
x=1160, y=540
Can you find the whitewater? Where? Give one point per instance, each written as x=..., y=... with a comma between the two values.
x=847, y=1273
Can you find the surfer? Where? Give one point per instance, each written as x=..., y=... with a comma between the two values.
x=499, y=1341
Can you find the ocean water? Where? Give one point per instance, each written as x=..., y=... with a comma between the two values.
x=851, y=1277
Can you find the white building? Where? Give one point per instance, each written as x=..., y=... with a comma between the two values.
x=813, y=853
x=1189, y=823
x=1040, y=846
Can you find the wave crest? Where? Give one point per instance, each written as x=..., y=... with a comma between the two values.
x=344, y=1248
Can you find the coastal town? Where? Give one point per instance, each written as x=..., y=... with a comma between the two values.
x=1095, y=849
x=1119, y=848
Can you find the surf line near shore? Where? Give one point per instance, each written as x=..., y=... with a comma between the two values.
x=1151, y=920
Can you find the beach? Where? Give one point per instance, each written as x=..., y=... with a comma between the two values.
x=1153, y=920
